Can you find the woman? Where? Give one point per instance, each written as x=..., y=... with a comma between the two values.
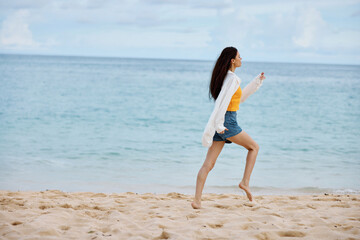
x=222, y=126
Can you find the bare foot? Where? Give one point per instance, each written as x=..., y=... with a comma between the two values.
x=196, y=205
x=246, y=189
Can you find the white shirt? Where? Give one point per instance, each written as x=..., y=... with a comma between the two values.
x=228, y=89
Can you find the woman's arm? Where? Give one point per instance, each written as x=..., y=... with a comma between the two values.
x=252, y=87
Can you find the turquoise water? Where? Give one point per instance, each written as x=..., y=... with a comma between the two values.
x=118, y=125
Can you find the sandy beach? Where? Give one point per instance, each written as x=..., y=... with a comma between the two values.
x=54, y=214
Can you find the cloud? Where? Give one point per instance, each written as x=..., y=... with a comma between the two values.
x=237, y=28
x=310, y=27
x=259, y=29
x=15, y=32
x=314, y=33
x=141, y=39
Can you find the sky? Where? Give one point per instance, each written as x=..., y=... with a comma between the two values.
x=303, y=31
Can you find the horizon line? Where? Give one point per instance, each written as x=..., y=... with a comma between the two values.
x=166, y=59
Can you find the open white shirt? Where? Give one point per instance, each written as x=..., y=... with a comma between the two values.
x=228, y=89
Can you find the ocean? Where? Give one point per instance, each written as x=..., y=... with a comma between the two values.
x=135, y=125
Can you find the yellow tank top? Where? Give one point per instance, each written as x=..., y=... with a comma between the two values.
x=235, y=101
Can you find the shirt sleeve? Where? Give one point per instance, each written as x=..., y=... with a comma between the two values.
x=252, y=87
x=222, y=102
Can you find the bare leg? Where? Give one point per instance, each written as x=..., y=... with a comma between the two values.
x=246, y=141
x=208, y=164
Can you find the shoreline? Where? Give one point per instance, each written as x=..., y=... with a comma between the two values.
x=90, y=215
x=189, y=190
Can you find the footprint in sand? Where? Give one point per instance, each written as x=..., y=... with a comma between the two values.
x=191, y=215
x=293, y=198
x=215, y=225
x=65, y=228
x=347, y=228
x=222, y=206
x=250, y=204
x=276, y=215
x=21, y=204
x=222, y=196
x=98, y=208
x=81, y=207
x=176, y=195
x=266, y=236
x=164, y=235
x=341, y=205
x=92, y=214
x=66, y=205
x=249, y=226
x=146, y=197
x=311, y=206
x=291, y=234
x=16, y=223
x=258, y=207
x=43, y=207
x=99, y=195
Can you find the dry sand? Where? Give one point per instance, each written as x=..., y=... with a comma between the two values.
x=61, y=215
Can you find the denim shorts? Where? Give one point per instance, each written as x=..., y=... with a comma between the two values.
x=231, y=124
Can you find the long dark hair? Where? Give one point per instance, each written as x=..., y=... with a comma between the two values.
x=221, y=67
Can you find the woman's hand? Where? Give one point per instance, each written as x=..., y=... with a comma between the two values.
x=224, y=131
x=262, y=76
